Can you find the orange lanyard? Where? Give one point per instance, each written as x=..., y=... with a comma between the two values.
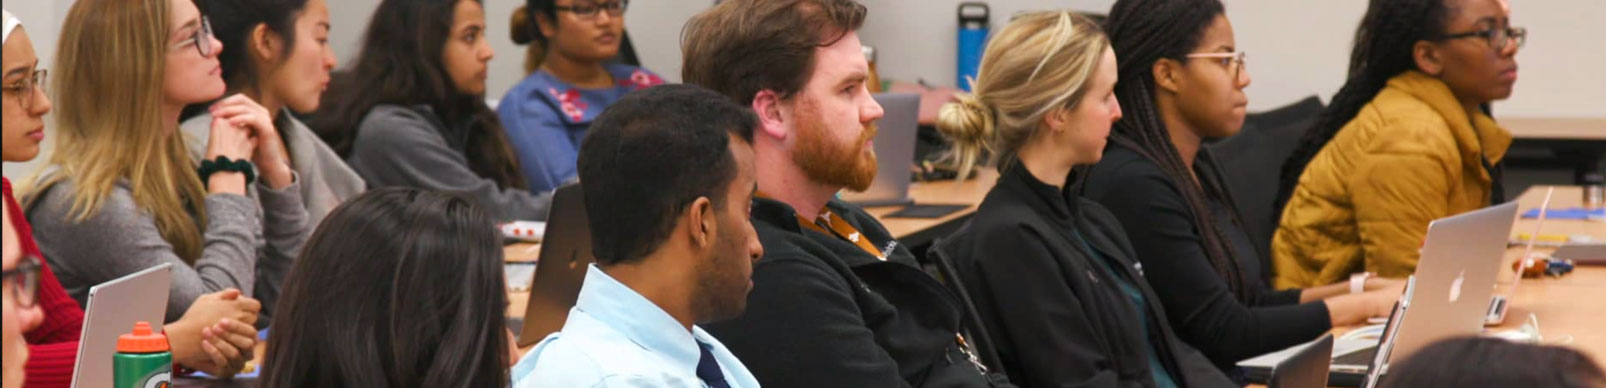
x=841, y=229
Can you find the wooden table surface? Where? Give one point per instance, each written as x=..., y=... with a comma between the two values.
x=1555, y=128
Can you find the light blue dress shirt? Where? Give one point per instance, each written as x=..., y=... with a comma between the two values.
x=614, y=337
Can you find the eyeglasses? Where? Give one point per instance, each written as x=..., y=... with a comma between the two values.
x=1497, y=38
x=24, y=89
x=23, y=281
x=1234, y=61
x=201, y=38
x=588, y=10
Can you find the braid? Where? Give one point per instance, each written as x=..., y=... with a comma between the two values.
x=1142, y=33
x=1384, y=42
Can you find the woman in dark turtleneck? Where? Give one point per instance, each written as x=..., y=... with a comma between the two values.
x=1055, y=280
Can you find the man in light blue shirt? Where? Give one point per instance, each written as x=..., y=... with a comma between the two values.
x=669, y=183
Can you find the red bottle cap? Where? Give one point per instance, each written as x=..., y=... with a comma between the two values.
x=142, y=340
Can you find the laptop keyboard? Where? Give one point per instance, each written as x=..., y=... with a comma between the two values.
x=1361, y=357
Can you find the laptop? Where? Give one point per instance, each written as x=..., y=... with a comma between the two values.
x=1307, y=368
x=112, y=310
x=1447, y=297
x=1500, y=304
x=565, y=255
x=895, y=152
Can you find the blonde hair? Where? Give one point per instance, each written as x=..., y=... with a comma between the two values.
x=1039, y=62
x=108, y=80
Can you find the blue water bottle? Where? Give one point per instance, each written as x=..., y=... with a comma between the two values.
x=973, y=18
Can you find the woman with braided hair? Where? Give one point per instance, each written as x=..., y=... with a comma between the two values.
x=1181, y=81
x=1407, y=140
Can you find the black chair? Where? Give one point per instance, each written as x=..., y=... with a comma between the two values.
x=1252, y=162
x=975, y=330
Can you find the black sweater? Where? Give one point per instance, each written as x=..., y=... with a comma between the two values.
x=1203, y=310
x=825, y=313
x=1055, y=318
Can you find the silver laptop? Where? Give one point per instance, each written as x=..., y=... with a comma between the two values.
x=1500, y=304
x=894, y=150
x=1449, y=295
x=112, y=310
x=565, y=256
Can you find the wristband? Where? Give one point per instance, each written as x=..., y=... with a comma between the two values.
x=1357, y=282
x=209, y=167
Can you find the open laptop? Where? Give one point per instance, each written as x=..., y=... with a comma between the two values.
x=1447, y=297
x=565, y=255
x=894, y=150
x=112, y=310
x=1500, y=304
x=1307, y=368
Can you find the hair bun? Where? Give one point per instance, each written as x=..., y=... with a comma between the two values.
x=967, y=119
x=521, y=28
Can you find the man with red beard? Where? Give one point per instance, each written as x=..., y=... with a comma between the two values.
x=837, y=302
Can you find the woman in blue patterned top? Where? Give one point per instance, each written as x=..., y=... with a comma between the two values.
x=547, y=114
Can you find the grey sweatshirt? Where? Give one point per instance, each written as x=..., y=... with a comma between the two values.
x=245, y=247
x=412, y=147
x=325, y=180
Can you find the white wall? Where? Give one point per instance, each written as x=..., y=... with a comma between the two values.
x=1296, y=48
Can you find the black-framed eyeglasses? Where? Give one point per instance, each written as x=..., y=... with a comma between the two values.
x=1497, y=38
x=588, y=10
x=23, y=281
x=1237, y=61
x=23, y=90
x=201, y=38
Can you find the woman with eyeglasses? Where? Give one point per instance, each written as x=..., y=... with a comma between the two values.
x=1408, y=139
x=214, y=335
x=411, y=112
x=279, y=55
x=547, y=114
x=1182, y=80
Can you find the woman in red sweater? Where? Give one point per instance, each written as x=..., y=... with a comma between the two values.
x=216, y=333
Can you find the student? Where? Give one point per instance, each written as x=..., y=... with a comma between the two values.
x=121, y=193
x=837, y=301
x=54, y=344
x=1181, y=81
x=398, y=288
x=667, y=259
x=1053, y=273
x=412, y=112
x=19, y=290
x=548, y=112
x=279, y=55
x=1404, y=142
x=1480, y=362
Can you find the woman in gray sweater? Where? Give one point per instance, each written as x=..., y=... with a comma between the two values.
x=279, y=55
x=412, y=113
x=121, y=192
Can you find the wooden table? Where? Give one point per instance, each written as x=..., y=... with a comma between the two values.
x=1577, y=143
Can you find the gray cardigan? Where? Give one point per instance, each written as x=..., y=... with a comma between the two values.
x=325, y=180
x=245, y=247
x=412, y=147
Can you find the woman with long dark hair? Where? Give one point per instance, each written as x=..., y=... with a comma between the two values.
x=279, y=55
x=1182, y=77
x=398, y=288
x=1406, y=140
x=411, y=112
x=549, y=112
x=1481, y=362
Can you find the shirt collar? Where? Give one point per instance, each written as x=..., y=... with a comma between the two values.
x=643, y=322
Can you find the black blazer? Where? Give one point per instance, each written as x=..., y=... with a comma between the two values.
x=1055, y=318
x=825, y=313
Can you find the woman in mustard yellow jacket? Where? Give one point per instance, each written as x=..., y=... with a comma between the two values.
x=1406, y=140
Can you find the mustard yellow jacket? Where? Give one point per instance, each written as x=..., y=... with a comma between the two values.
x=1364, y=202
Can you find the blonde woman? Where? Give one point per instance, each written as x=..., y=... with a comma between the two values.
x=1053, y=274
x=121, y=192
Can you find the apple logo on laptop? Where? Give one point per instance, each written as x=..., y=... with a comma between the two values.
x=1455, y=286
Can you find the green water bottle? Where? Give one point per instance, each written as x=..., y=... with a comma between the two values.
x=142, y=359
